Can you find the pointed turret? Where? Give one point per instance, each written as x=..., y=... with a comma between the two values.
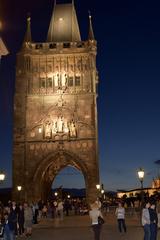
x=28, y=37
x=64, y=25
x=3, y=49
x=91, y=33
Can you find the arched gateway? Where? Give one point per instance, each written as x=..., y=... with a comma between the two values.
x=50, y=167
x=55, y=110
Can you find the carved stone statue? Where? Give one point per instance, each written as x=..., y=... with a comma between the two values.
x=72, y=129
x=54, y=128
x=64, y=78
x=60, y=124
x=48, y=129
x=56, y=80
x=65, y=129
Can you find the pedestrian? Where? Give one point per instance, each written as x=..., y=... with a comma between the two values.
x=1, y=224
x=28, y=218
x=35, y=212
x=60, y=209
x=14, y=213
x=55, y=204
x=94, y=213
x=44, y=211
x=153, y=221
x=120, y=213
x=146, y=221
x=21, y=220
x=9, y=226
x=158, y=212
x=99, y=203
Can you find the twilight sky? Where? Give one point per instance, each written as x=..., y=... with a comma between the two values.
x=128, y=61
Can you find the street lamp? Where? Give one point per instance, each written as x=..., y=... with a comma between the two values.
x=102, y=191
x=19, y=188
x=141, y=177
x=98, y=186
x=2, y=176
x=56, y=194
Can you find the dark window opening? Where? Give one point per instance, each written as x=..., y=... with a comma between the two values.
x=66, y=45
x=70, y=81
x=49, y=82
x=52, y=45
x=42, y=82
x=39, y=46
x=77, y=81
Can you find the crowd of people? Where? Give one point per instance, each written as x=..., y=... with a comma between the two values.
x=150, y=220
x=17, y=219
x=149, y=212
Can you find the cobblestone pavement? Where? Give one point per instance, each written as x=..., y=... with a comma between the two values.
x=78, y=228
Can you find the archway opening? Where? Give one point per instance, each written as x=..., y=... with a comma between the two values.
x=54, y=165
x=69, y=183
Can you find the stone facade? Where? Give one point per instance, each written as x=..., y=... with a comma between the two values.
x=55, y=116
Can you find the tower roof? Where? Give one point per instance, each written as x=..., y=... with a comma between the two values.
x=64, y=25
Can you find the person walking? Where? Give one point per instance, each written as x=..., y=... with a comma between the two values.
x=9, y=227
x=158, y=212
x=60, y=209
x=21, y=220
x=120, y=213
x=146, y=221
x=28, y=218
x=153, y=222
x=94, y=213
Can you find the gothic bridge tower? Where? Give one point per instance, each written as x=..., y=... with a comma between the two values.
x=55, y=110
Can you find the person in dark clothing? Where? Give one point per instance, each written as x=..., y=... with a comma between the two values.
x=14, y=213
x=35, y=212
x=1, y=228
x=67, y=206
x=153, y=222
x=9, y=229
x=21, y=220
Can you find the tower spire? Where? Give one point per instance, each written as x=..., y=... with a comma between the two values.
x=90, y=33
x=28, y=37
x=64, y=24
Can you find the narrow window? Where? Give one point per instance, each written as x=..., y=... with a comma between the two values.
x=49, y=82
x=42, y=82
x=77, y=81
x=70, y=82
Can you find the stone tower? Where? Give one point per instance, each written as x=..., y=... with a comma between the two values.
x=55, y=110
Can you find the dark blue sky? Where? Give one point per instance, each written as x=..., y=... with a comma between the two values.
x=128, y=61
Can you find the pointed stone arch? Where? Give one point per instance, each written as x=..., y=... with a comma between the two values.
x=51, y=165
